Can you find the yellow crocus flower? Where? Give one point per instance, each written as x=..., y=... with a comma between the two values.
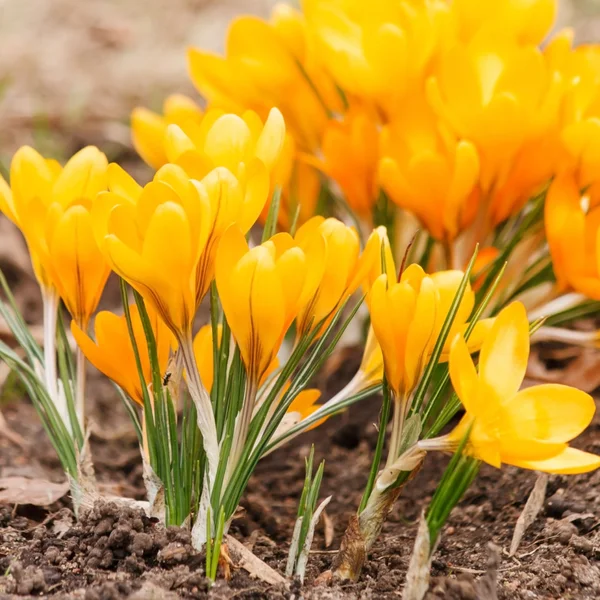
x=427, y=171
x=51, y=205
x=162, y=238
x=148, y=129
x=407, y=317
x=530, y=428
x=340, y=270
x=227, y=140
x=572, y=220
x=269, y=64
x=156, y=242
x=112, y=351
x=377, y=50
x=261, y=290
x=526, y=21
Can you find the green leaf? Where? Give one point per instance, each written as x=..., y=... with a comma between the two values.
x=270, y=228
x=384, y=417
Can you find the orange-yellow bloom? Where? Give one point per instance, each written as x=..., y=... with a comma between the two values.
x=504, y=98
x=350, y=153
x=51, y=205
x=428, y=172
x=530, y=428
x=407, y=317
x=572, y=221
x=149, y=129
x=580, y=114
x=304, y=405
x=112, y=351
x=339, y=271
x=261, y=290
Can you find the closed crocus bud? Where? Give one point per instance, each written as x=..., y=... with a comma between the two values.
x=407, y=317
x=340, y=268
x=111, y=350
x=179, y=219
x=52, y=207
x=155, y=242
x=530, y=428
x=261, y=290
x=572, y=222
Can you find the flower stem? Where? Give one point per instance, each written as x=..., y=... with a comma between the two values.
x=397, y=429
x=242, y=426
x=80, y=390
x=50, y=302
x=201, y=398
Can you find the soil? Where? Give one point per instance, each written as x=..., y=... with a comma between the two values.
x=117, y=552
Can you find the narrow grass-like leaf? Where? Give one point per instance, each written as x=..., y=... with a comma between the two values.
x=384, y=417
x=419, y=395
x=270, y=228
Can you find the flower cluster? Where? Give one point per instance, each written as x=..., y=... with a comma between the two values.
x=444, y=125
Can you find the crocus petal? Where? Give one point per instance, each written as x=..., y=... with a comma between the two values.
x=270, y=142
x=550, y=412
x=569, y=462
x=463, y=374
x=203, y=352
x=122, y=184
x=504, y=354
x=84, y=175
x=147, y=133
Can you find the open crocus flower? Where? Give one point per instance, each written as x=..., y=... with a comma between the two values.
x=51, y=205
x=376, y=50
x=530, y=428
x=149, y=129
x=407, y=317
x=269, y=64
x=572, y=221
x=428, y=172
x=261, y=290
x=112, y=351
x=342, y=270
x=502, y=97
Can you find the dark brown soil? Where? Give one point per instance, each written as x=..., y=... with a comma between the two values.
x=117, y=552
